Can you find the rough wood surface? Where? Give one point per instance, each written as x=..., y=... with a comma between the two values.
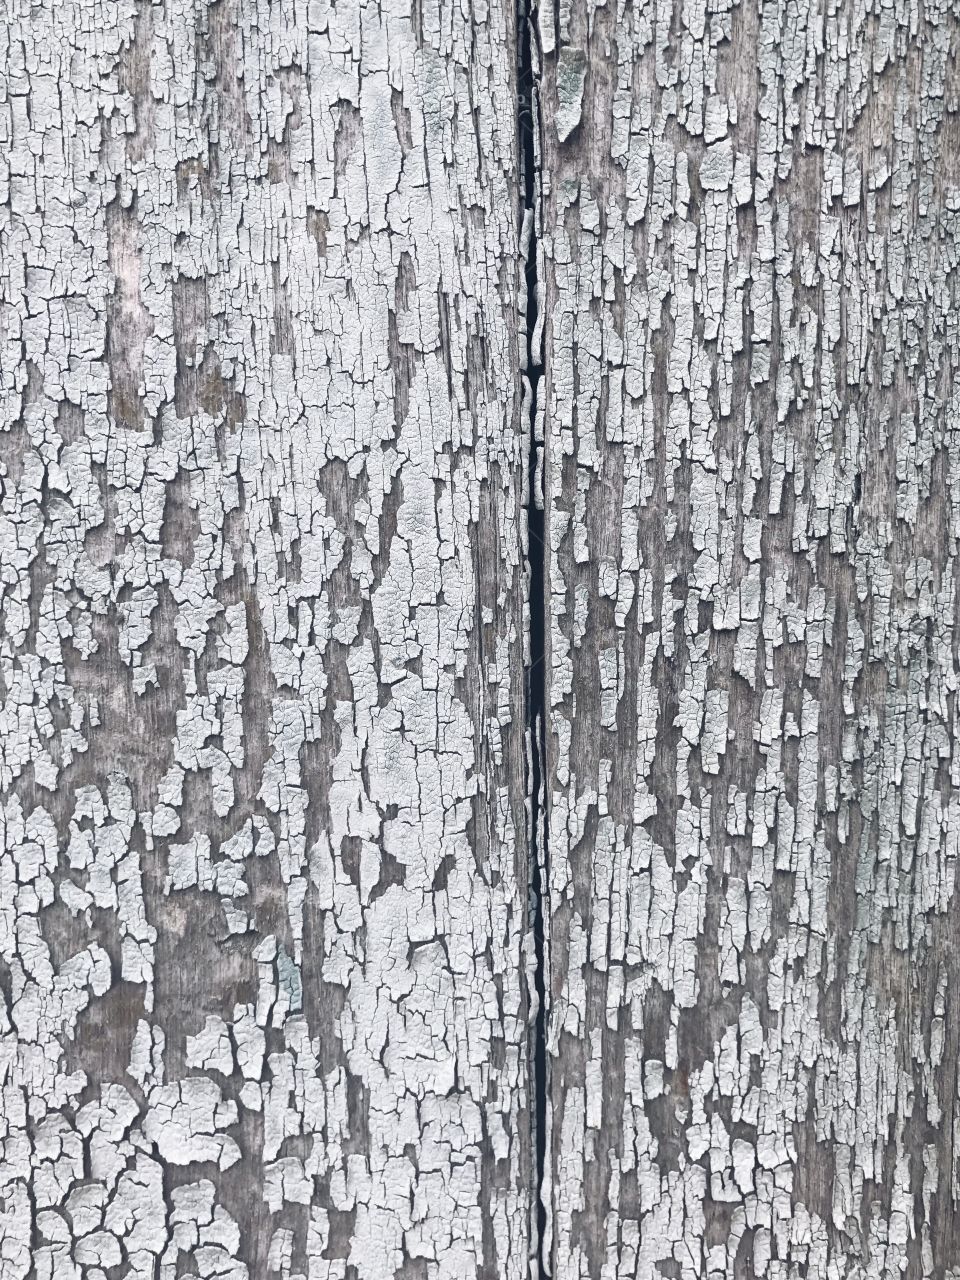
x=750, y=223
x=264, y=879
x=456, y=822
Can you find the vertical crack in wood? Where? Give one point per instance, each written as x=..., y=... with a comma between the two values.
x=535, y=650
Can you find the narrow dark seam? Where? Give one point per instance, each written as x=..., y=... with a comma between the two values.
x=535, y=681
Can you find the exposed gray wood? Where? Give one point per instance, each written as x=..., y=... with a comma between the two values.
x=263, y=886
x=750, y=229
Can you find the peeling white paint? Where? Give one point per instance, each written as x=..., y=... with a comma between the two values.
x=751, y=490
x=265, y=941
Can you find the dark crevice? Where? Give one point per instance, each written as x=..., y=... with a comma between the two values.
x=535, y=675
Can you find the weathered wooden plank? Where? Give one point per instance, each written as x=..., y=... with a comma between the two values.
x=268, y=674
x=750, y=223
x=263, y=889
